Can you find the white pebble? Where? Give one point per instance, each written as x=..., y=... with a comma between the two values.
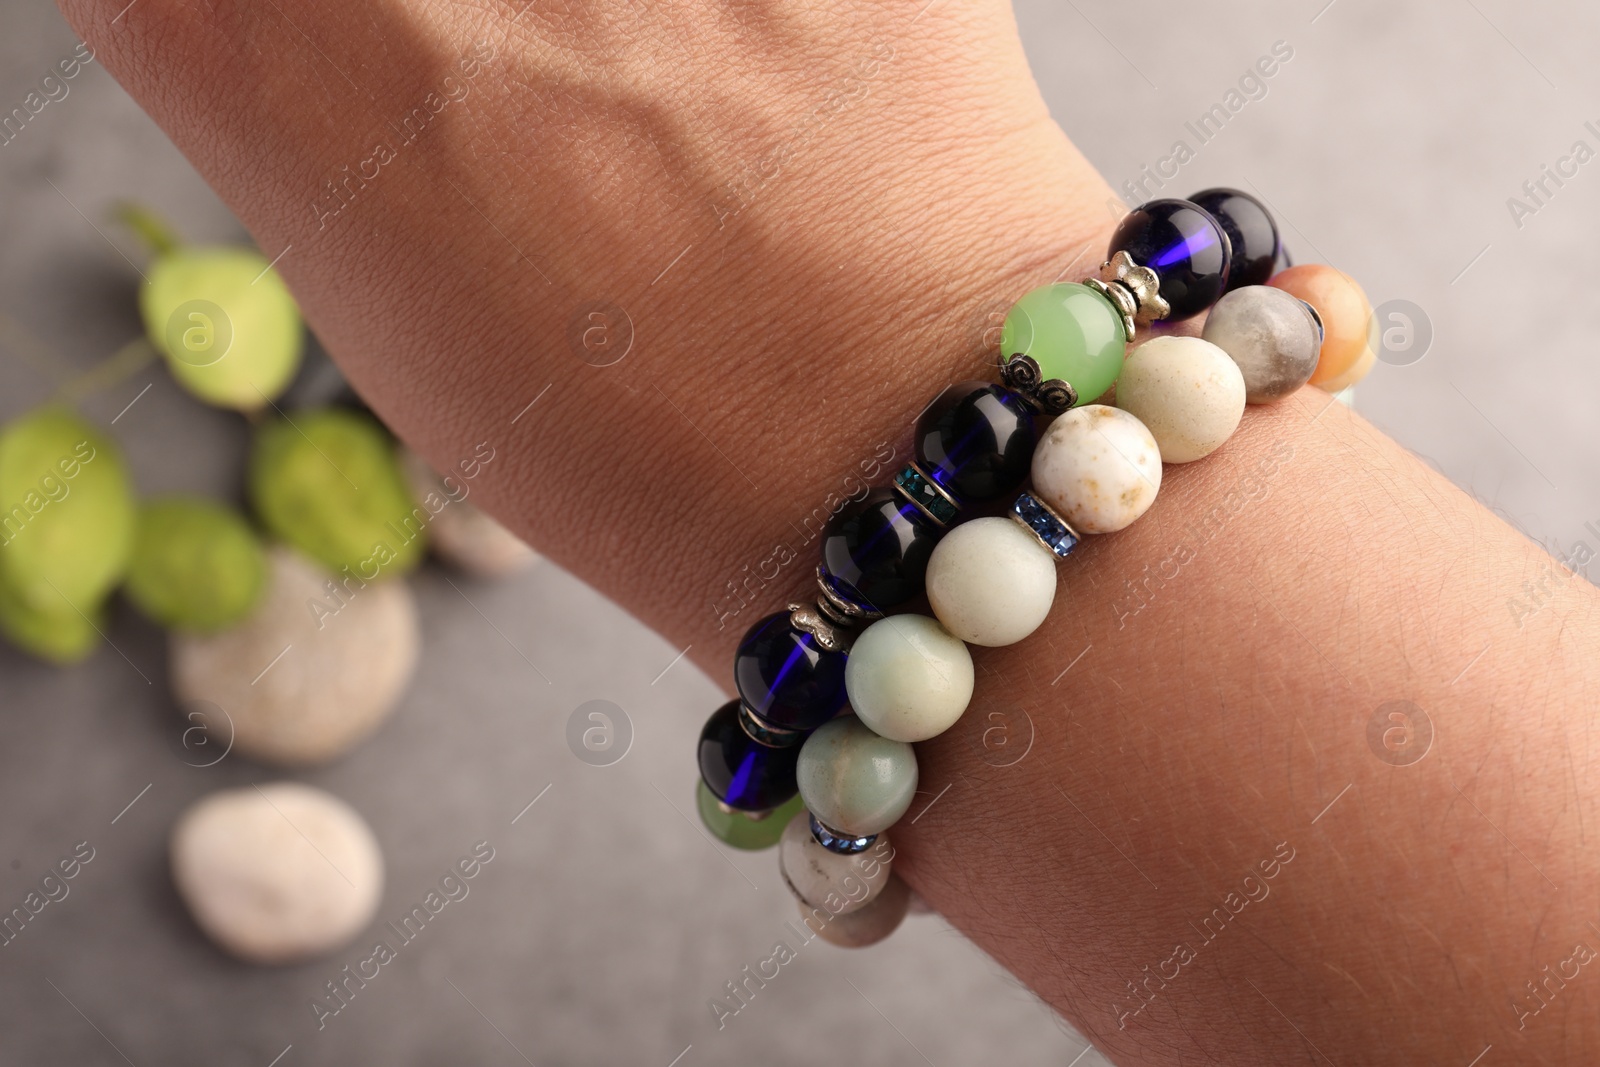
x=279, y=873
x=908, y=678
x=1098, y=467
x=822, y=878
x=991, y=582
x=1188, y=393
x=307, y=676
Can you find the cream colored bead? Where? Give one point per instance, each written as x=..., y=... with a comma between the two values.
x=1188, y=393
x=991, y=582
x=908, y=677
x=1098, y=467
x=821, y=878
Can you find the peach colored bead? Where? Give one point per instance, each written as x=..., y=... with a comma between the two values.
x=1358, y=370
x=1346, y=314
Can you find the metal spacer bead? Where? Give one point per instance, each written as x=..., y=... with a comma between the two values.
x=1122, y=300
x=1316, y=320
x=941, y=500
x=1022, y=375
x=837, y=841
x=810, y=618
x=1046, y=525
x=763, y=732
x=836, y=609
x=1134, y=290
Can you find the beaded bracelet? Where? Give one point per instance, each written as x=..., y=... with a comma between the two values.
x=780, y=764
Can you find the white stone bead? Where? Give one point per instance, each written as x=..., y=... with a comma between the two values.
x=908, y=677
x=866, y=925
x=821, y=878
x=348, y=661
x=1098, y=467
x=1188, y=393
x=279, y=873
x=1270, y=335
x=991, y=582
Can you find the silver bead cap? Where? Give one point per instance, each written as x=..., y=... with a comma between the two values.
x=1021, y=374
x=1135, y=292
x=838, y=610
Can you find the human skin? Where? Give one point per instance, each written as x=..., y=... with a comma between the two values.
x=812, y=214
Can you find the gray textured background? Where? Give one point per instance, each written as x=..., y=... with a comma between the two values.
x=1388, y=144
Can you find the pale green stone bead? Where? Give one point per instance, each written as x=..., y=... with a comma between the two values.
x=908, y=677
x=854, y=781
x=1072, y=332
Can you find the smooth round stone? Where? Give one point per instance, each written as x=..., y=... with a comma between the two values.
x=349, y=657
x=1346, y=315
x=991, y=582
x=277, y=873
x=1072, y=332
x=908, y=677
x=738, y=830
x=855, y=781
x=1188, y=393
x=1358, y=370
x=864, y=926
x=1098, y=467
x=1270, y=335
x=822, y=879
x=1252, y=234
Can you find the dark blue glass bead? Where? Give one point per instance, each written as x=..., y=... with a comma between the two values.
x=834, y=841
x=786, y=677
x=875, y=551
x=1184, y=245
x=976, y=440
x=739, y=770
x=1284, y=260
x=1252, y=235
x=1046, y=525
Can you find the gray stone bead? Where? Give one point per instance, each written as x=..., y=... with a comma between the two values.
x=864, y=926
x=823, y=879
x=854, y=781
x=1270, y=336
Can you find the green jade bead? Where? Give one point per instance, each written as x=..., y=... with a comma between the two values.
x=1072, y=332
x=738, y=830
